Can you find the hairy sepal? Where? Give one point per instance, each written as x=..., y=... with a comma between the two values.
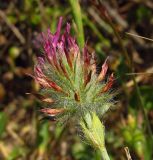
x=93, y=130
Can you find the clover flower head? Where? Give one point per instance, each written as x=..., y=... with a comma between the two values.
x=70, y=85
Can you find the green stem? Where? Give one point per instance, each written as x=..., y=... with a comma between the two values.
x=104, y=154
x=94, y=132
x=78, y=20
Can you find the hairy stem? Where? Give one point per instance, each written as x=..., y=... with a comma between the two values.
x=104, y=154
x=94, y=132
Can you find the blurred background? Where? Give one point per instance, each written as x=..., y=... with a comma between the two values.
x=23, y=136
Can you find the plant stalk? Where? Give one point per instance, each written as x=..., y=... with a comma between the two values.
x=104, y=154
x=94, y=132
x=78, y=20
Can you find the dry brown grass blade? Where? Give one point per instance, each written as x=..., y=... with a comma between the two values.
x=127, y=153
x=12, y=27
x=4, y=150
x=140, y=76
x=131, y=34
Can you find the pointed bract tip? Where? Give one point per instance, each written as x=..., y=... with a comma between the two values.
x=103, y=72
x=109, y=83
x=51, y=111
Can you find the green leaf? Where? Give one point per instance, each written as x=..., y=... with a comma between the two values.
x=79, y=151
x=16, y=152
x=142, y=13
x=3, y=122
x=43, y=136
x=147, y=96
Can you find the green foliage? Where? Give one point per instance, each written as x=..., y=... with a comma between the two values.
x=3, y=122
x=104, y=42
x=143, y=13
x=43, y=137
x=16, y=153
x=79, y=151
x=134, y=137
x=147, y=96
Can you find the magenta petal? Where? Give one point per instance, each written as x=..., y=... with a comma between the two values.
x=57, y=34
x=47, y=50
x=50, y=36
x=41, y=60
x=60, y=47
x=86, y=55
